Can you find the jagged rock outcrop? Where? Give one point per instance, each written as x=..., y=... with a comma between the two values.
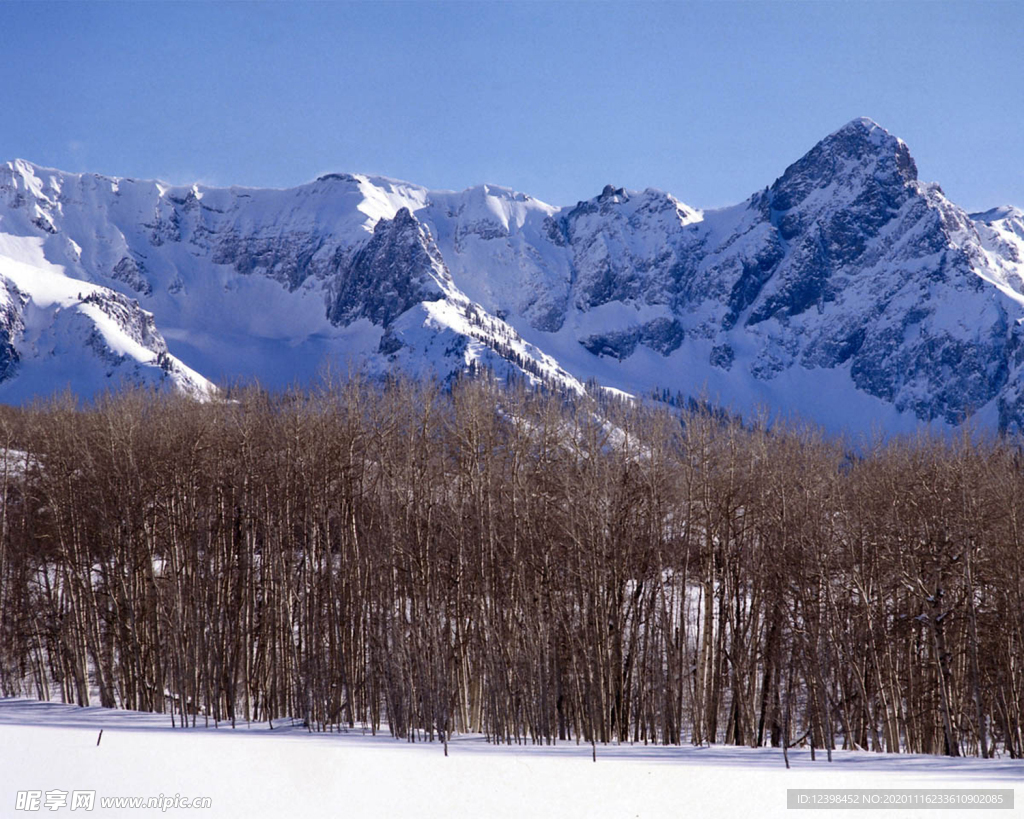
x=398, y=268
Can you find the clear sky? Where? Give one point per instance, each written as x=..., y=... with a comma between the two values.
x=710, y=101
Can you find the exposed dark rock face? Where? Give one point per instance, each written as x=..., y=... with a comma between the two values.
x=722, y=356
x=132, y=273
x=662, y=335
x=289, y=258
x=126, y=313
x=618, y=345
x=11, y=326
x=399, y=267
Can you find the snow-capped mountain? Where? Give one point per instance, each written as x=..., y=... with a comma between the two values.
x=847, y=291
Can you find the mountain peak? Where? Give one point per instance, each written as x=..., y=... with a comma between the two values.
x=863, y=137
x=861, y=153
x=402, y=220
x=862, y=125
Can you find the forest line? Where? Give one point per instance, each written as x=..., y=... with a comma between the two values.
x=434, y=560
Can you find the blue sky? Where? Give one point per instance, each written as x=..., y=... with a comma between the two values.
x=710, y=101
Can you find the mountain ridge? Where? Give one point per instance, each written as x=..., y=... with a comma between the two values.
x=847, y=291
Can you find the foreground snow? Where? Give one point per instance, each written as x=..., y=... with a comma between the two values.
x=254, y=772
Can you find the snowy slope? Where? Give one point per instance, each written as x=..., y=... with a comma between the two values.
x=253, y=772
x=848, y=291
x=250, y=284
x=58, y=331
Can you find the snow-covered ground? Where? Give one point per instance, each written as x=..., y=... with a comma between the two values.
x=251, y=771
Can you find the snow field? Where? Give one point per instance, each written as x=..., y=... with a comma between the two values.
x=252, y=771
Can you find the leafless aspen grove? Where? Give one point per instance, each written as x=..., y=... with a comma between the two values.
x=432, y=560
